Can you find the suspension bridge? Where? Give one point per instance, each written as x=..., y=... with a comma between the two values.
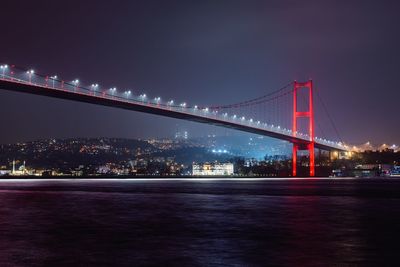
x=275, y=114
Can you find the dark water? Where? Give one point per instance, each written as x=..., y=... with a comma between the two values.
x=200, y=223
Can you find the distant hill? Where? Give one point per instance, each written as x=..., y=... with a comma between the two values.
x=64, y=153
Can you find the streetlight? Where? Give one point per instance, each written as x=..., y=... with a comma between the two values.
x=53, y=78
x=3, y=68
x=143, y=97
x=183, y=105
x=157, y=100
x=75, y=82
x=30, y=73
x=128, y=93
x=112, y=90
x=94, y=86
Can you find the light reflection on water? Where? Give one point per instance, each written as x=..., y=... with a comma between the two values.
x=199, y=223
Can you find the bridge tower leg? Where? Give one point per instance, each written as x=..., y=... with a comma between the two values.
x=307, y=114
x=294, y=160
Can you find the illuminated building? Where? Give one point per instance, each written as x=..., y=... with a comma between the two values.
x=181, y=135
x=212, y=169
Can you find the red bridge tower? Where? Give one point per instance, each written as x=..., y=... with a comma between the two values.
x=307, y=114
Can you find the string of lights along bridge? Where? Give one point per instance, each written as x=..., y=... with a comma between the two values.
x=275, y=114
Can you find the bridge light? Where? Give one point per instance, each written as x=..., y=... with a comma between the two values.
x=142, y=97
x=112, y=90
x=251, y=120
x=3, y=69
x=127, y=93
x=234, y=116
x=94, y=86
x=171, y=102
x=195, y=107
x=53, y=78
x=30, y=73
x=75, y=82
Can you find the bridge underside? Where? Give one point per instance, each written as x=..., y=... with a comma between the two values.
x=151, y=109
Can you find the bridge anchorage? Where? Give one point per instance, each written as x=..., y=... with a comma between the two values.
x=275, y=114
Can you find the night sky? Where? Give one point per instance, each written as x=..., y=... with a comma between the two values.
x=202, y=52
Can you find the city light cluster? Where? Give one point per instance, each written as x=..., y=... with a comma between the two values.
x=367, y=146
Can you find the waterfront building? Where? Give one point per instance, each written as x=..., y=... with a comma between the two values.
x=211, y=169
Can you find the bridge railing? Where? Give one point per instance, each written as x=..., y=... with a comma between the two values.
x=30, y=77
